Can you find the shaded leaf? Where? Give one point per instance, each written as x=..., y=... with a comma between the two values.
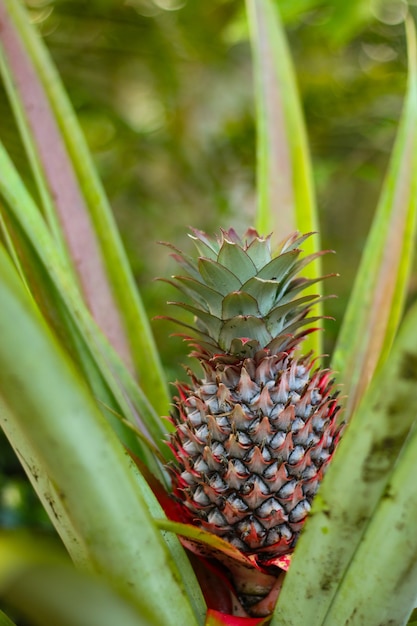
x=239, y=303
x=245, y=327
x=59, y=189
x=58, y=594
x=387, y=553
x=197, y=290
x=26, y=51
x=4, y=620
x=279, y=267
x=286, y=200
x=220, y=278
x=234, y=257
x=90, y=471
x=377, y=301
x=23, y=212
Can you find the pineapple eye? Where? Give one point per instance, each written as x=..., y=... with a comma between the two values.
x=276, y=411
x=320, y=457
x=217, y=483
x=190, y=447
x=253, y=483
x=243, y=438
x=237, y=503
x=195, y=418
x=277, y=440
x=271, y=470
x=315, y=397
x=200, y=465
x=218, y=450
x=266, y=455
x=202, y=434
x=224, y=425
x=216, y=518
x=269, y=507
x=296, y=455
x=279, y=532
x=249, y=524
x=188, y=478
x=312, y=440
x=287, y=490
x=200, y=497
x=240, y=468
x=300, y=511
x=297, y=425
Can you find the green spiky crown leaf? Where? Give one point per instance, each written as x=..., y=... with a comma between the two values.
x=244, y=298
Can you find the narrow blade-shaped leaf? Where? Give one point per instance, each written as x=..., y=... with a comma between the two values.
x=353, y=485
x=42, y=109
x=62, y=197
x=37, y=581
x=377, y=301
x=387, y=553
x=5, y=621
x=99, y=378
x=286, y=200
x=48, y=595
x=24, y=212
x=35, y=468
x=93, y=476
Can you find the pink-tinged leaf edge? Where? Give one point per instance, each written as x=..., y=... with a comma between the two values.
x=63, y=186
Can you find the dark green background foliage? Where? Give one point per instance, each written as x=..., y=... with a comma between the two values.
x=163, y=90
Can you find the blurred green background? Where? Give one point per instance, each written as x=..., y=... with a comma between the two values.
x=163, y=90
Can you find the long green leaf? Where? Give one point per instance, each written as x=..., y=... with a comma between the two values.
x=64, y=597
x=386, y=594
x=355, y=482
x=92, y=475
x=178, y=555
x=413, y=619
x=376, y=305
x=44, y=588
x=4, y=620
x=23, y=210
x=62, y=198
x=35, y=468
x=286, y=200
x=65, y=173
x=127, y=404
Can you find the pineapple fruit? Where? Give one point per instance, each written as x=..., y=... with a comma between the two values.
x=254, y=435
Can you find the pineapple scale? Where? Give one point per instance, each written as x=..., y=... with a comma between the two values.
x=252, y=442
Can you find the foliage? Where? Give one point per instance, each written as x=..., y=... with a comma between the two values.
x=80, y=371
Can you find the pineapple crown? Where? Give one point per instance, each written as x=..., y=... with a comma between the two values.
x=243, y=296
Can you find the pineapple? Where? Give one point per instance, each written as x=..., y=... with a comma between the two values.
x=254, y=435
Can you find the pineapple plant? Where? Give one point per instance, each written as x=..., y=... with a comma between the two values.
x=254, y=436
